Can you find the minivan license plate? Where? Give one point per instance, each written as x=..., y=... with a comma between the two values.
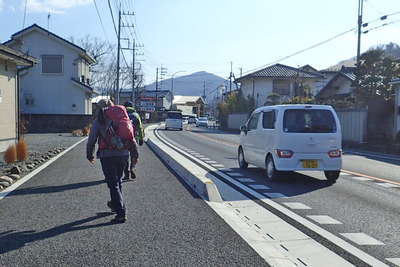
x=310, y=164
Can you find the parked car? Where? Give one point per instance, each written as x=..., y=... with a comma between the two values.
x=202, y=121
x=292, y=138
x=174, y=120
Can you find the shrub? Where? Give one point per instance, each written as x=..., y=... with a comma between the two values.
x=10, y=155
x=22, y=150
x=77, y=133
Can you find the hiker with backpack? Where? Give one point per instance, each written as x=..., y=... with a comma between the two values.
x=129, y=171
x=113, y=131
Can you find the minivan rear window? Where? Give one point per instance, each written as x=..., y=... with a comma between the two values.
x=174, y=115
x=309, y=121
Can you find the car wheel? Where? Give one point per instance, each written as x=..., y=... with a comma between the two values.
x=270, y=170
x=242, y=162
x=181, y=129
x=166, y=128
x=332, y=176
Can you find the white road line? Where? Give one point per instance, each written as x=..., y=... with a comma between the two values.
x=394, y=261
x=234, y=174
x=323, y=219
x=361, y=178
x=205, y=159
x=245, y=180
x=259, y=186
x=218, y=165
x=345, y=174
x=388, y=185
x=211, y=162
x=361, y=239
x=27, y=177
x=296, y=206
x=274, y=195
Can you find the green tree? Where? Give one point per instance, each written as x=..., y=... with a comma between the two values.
x=373, y=77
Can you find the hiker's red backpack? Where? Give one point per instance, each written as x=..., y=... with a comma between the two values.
x=119, y=133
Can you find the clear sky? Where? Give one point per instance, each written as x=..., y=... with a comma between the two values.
x=205, y=35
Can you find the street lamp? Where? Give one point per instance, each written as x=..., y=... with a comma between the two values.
x=172, y=82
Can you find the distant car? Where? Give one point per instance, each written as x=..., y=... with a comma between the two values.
x=202, y=121
x=192, y=120
x=174, y=120
x=288, y=138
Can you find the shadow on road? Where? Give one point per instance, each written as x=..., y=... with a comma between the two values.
x=54, y=189
x=376, y=158
x=11, y=240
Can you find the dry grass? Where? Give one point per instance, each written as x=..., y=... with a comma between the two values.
x=10, y=156
x=86, y=131
x=77, y=132
x=22, y=150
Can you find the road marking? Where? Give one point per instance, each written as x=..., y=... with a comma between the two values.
x=218, y=165
x=211, y=162
x=296, y=206
x=345, y=174
x=361, y=178
x=245, y=180
x=234, y=174
x=205, y=159
x=260, y=186
x=394, y=261
x=388, y=185
x=274, y=195
x=372, y=177
x=323, y=219
x=27, y=177
x=362, y=239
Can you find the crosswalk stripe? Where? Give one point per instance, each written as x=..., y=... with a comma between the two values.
x=296, y=206
x=323, y=219
x=245, y=180
x=274, y=195
x=260, y=186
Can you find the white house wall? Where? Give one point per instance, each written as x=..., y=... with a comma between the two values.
x=7, y=105
x=52, y=93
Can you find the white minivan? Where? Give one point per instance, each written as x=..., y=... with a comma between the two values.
x=286, y=138
x=174, y=120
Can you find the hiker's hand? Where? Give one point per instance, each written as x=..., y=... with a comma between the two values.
x=134, y=161
x=91, y=160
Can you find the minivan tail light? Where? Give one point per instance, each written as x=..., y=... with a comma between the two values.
x=335, y=153
x=284, y=153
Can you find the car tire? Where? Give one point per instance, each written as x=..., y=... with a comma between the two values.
x=241, y=160
x=166, y=129
x=270, y=171
x=332, y=176
x=181, y=129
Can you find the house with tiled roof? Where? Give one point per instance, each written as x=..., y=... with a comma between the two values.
x=280, y=79
x=60, y=83
x=340, y=85
x=190, y=105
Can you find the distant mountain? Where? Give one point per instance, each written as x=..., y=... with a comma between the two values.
x=391, y=49
x=193, y=84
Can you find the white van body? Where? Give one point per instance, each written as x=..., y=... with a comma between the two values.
x=174, y=121
x=296, y=137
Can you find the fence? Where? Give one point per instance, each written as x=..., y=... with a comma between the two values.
x=236, y=120
x=55, y=123
x=354, y=125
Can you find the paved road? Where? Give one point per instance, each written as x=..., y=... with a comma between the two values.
x=358, y=205
x=59, y=218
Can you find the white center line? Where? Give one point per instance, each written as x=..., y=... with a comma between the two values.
x=296, y=206
x=362, y=239
x=323, y=219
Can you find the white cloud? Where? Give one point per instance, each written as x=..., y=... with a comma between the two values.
x=54, y=6
x=1, y=5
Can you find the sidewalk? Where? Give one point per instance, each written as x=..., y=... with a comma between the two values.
x=59, y=217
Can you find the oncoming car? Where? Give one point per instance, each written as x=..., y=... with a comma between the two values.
x=287, y=138
x=174, y=120
x=202, y=121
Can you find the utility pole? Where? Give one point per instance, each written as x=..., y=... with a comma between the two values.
x=360, y=14
x=204, y=90
x=230, y=79
x=134, y=54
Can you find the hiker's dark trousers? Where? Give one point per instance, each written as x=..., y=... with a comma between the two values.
x=113, y=168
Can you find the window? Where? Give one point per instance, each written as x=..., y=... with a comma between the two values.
x=269, y=120
x=252, y=125
x=308, y=121
x=281, y=87
x=29, y=100
x=52, y=64
x=174, y=115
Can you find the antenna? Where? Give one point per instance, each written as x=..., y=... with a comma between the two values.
x=48, y=21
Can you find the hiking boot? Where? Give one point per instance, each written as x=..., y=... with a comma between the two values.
x=119, y=219
x=111, y=206
x=133, y=174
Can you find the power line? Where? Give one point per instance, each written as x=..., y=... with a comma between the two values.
x=101, y=21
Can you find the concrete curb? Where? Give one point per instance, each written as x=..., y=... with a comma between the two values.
x=191, y=174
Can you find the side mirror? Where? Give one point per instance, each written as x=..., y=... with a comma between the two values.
x=243, y=128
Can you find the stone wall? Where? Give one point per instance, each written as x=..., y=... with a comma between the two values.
x=49, y=123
